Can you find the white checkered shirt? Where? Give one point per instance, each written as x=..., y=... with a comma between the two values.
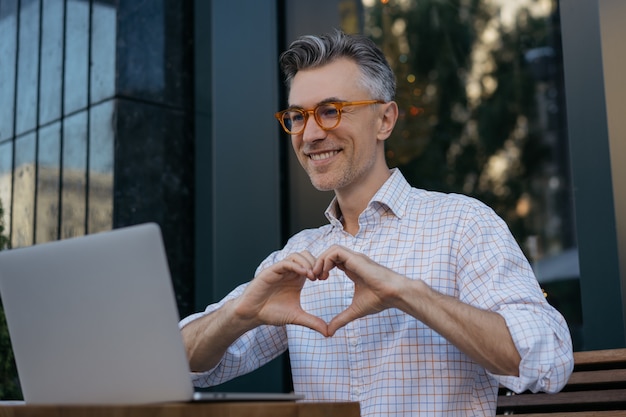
x=390, y=362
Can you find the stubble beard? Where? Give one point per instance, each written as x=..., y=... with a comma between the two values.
x=337, y=178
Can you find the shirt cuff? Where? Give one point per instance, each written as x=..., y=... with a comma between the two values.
x=545, y=346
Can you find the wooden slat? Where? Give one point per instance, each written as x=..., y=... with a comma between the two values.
x=613, y=396
x=597, y=377
x=598, y=382
x=594, y=357
x=611, y=413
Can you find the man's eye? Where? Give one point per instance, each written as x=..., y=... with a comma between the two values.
x=296, y=117
x=327, y=112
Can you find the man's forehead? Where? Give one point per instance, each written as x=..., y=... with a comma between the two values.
x=332, y=82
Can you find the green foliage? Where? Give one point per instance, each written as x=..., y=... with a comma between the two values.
x=446, y=137
x=9, y=385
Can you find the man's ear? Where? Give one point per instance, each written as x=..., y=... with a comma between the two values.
x=389, y=119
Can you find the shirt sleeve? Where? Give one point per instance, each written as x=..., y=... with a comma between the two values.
x=495, y=275
x=544, y=344
x=249, y=352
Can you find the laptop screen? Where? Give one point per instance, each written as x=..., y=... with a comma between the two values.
x=93, y=319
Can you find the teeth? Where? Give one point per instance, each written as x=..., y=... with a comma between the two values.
x=324, y=155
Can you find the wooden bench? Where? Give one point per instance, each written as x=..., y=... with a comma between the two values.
x=597, y=388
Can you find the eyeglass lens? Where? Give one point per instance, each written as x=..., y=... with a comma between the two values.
x=326, y=115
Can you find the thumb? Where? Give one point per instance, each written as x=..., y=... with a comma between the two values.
x=340, y=320
x=313, y=323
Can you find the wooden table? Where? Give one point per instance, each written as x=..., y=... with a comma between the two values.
x=198, y=409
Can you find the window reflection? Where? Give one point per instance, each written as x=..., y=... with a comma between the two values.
x=76, y=55
x=51, y=61
x=48, y=183
x=481, y=101
x=24, y=191
x=101, y=151
x=48, y=43
x=8, y=36
x=28, y=64
x=74, y=180
x=480, y=106
x=104, y=29
x=6, y=170
x=143, y=69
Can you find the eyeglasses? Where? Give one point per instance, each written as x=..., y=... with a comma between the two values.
x=327, y=115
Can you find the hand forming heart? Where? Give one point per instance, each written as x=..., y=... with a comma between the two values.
x=273, y=297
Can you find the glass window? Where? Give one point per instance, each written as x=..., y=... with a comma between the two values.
x=101, y=154
x=76, y=55
x=28, y=67
x=74, y=177
x=24, y=191
x=142, y=71
x=48, y=183
x=6, y=178
x=8, y=36
x=103, y=31
x=51, y=61
x=482, y=113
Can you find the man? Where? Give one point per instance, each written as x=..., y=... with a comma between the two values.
x=410, y=302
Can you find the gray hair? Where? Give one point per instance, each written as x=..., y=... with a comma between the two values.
x=315, y=51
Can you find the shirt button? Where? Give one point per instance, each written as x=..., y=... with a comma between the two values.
x=354, y=341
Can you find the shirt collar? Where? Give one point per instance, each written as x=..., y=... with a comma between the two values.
x=393, y=194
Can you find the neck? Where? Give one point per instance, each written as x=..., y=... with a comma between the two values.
x=352, y=201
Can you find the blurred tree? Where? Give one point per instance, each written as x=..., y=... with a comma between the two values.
x=467, y=98
x=9, y=385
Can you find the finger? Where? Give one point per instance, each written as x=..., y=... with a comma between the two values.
x=292, y=266
x=308, y=256
x=341, y=320
x=310, y=262
x=313, y=323
x=283, y=269
x=331, y=258
x=320, y=267
x=304, y=259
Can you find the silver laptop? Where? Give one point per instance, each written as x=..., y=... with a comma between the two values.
x=93, y=320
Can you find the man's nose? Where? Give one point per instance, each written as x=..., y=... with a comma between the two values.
x=312, y=131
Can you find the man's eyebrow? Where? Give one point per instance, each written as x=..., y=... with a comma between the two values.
x=325, y=101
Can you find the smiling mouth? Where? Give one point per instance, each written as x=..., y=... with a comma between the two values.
x=323, y=155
